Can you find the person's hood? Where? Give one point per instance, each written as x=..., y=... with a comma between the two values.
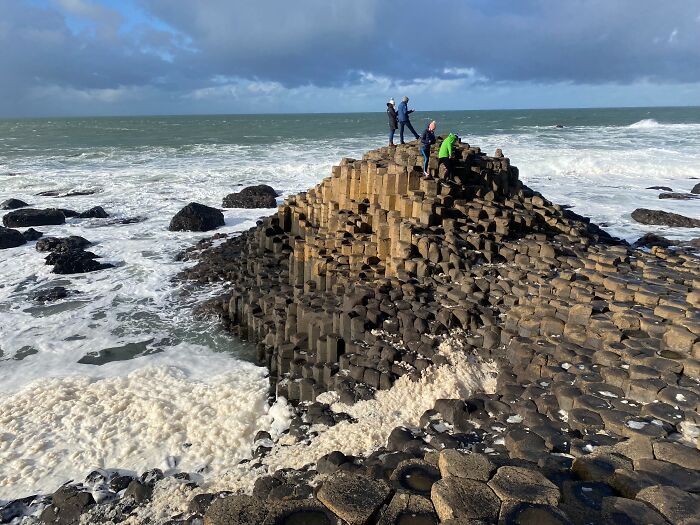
x=451, y=138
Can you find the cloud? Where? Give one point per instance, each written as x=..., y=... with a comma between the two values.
x=177, y=52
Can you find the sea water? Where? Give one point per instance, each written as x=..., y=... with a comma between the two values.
x=121, y=375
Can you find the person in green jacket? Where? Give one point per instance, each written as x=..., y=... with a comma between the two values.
x=446, y=154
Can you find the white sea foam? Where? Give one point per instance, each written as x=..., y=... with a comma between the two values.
x=135, y=415
x=402, y=405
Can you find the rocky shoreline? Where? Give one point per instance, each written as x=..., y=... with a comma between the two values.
x=376, y=279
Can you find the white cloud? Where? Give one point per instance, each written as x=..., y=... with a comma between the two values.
x=103, y=96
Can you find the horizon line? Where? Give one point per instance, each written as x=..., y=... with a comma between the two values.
x=136, y=115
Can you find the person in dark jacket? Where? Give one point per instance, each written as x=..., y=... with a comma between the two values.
x=427, y=139
x=404, y=112
x=393, y=122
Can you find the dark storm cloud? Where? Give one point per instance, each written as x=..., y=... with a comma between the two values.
x=532, y=40
x=165, y=49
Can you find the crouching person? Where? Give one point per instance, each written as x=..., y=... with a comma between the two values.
x=446, y=155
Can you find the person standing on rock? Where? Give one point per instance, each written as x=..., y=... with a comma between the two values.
x=427, y=139
x=404, y=112
x=446, y=154
x=393, y=121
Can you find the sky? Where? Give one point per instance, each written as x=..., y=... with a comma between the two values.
x=131, y=57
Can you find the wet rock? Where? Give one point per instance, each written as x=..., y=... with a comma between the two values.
x=79, y=193
x=127, y=220
x=75, y=261
x=678, y=196
x=138, y=491
x=661, y=188
x=10, y=238
x=306, y=512
x=523, y=484
x=96, y=212
x=200, y=502
x=651, y=239
x=12, y=204
x=62, y=244
x=522, y=513
x=696, y=189
x=415, y=475
x=463, y=499
x=119, y=483
x=151, y=477
x=664, y=218
x=260, y=196
x=31, y=234
x=16, y=509
x=196, y=217
x=33, y=217
x=236, y=510
x=53, y=294
x=353, y=498
x=68, y=212
x=330, y=462
x=67, y=504
x=409, y=508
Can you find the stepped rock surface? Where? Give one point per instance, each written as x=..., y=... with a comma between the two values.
x=354, y=283
x=354, y=286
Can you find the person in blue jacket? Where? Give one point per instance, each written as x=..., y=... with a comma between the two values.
x=404, y=112
x=427, y=139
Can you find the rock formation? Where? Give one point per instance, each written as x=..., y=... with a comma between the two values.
x=196, y=217
x=33, y=217
x=260, y=196
x=353, y=283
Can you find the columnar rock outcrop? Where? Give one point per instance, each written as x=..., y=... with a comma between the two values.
x=376, y=253
x=352, y=284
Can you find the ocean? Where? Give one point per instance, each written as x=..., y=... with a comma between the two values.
x=120, y=373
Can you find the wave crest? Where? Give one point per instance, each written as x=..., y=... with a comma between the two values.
x=645, y=124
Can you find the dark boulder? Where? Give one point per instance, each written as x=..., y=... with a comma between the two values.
x=33, y=217
x=696, y=189
x=260, y=196
x=196, y=217
x=678, y=196
x=662, y=188
x=69, y=213
x=10, y=238
x=62, y=244
x=97, y=212
x=651, y=239
x=50, y=295
x=12, y=204
x=75, y=261
x=645, y=216
x=67, y=504
x=127, y=220
x=31, y=234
